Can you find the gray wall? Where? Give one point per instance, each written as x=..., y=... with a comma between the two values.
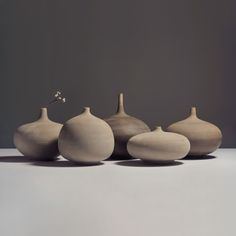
x=165, y=55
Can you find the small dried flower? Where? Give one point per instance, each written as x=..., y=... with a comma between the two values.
x=58, y=93
x=58, y=98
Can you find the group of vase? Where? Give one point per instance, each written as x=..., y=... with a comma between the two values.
x=87, y=139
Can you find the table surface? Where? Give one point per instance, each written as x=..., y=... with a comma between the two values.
x=190, y=197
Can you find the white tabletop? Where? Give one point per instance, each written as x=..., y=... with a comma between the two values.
x=192, y=197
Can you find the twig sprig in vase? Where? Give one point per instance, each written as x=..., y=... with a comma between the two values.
x=38, y=140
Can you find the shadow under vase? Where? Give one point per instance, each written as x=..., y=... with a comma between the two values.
x=142, y=163
x=200, y=157
x=65, y=163
x=115, y=157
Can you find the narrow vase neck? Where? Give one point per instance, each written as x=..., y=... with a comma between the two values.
x=120, y=108
x=193, y=112
x=43, y=114
x=87, y=111
x=158, y=129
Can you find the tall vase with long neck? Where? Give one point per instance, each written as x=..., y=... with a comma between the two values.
x=124, y=127
x=204, y=137
x=39, y=139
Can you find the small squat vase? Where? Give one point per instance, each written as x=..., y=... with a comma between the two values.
x=86, y=139
x=124, y=127
x=38, y=140
x=158, y=146
x=204, y=137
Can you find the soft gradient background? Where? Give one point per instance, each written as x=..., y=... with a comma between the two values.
x=164, y=55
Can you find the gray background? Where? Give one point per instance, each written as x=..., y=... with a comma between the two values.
x=165, y=55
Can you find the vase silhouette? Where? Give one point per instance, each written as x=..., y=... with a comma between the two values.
x=158, y=146
x=204, y=137
x=38, y=140
x=124, y=127
x=86, y=139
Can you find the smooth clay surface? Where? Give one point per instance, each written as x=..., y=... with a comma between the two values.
x=158, y=146
x=204, y=137
x=124, y=127
x=86, y=139
x=38, y=140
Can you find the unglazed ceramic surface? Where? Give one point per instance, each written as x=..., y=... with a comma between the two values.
x=158, y=146
x=124, y=127
x=38, y=140
x=204, y=137
x=86, y=139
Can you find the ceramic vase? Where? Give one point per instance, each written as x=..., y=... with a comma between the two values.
x=38, y=140
x=204, y=137
x=86, y=139
x=124, y=127
x=158, y=146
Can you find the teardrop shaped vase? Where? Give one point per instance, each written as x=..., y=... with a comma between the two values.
x=86, y=139
x=38, y=140
x=204, y=137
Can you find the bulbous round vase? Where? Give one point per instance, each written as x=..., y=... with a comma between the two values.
x=86, y=139
x=158, y=146
x=38, y=140
x=124, y=127
x=204, y=137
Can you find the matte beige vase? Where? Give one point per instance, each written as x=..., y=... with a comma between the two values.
x=158, y=146
x=204, y=137
x=38, y=140
x=124, y=127
x=86, y=139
